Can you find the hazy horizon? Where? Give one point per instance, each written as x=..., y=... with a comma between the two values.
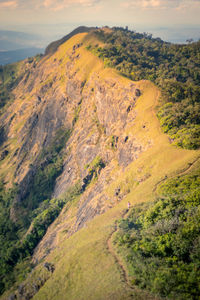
x=171, y=20
x=49, y=32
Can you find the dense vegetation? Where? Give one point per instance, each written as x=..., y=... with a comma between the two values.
x=35, y=208
x=174, y=68
x=14, y=251
x=48, y=167
x=161, y=241
x=8, y=79
x=8, y=230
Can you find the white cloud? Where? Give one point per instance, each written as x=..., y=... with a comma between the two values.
x=8, y=4
x=57, y=5
x=151, y=3
x=142, y=4
x=160, y=4
x=185, y=5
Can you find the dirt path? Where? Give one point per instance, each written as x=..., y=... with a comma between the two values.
x=135, y=293
x=117, y=259
x=181, y=172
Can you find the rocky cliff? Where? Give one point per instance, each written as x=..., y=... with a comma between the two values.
x=71, y=90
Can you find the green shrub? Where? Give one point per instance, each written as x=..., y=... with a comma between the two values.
x=161, y=241
x=48, y=168
x=14, y=262
x=36, y=209
x=94, y=169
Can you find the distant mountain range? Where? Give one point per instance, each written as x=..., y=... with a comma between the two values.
x=14, y=40
x=7, y=57
x=15, y=46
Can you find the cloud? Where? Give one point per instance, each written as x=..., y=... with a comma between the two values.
x=188, y=4
x=8, y=4
x=54, y=5
x=159, y=4
x=150, y=3
x=142, y=4
x=57, y=5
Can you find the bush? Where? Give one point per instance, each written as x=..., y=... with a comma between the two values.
x=161, y=241
x=48, y=167
x=14, y=254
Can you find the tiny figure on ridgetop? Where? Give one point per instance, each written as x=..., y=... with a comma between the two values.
x=128, y=205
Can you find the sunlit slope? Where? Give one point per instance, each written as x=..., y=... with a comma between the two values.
x=84, y=267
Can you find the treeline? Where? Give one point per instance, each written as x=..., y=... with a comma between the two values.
x=161, y=241
x=174, y=68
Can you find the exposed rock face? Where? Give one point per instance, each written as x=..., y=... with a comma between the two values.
x=103, y=114
x=97, y=106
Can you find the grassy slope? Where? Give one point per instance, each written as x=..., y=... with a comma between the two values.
x=84, y=267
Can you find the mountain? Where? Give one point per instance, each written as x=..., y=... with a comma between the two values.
x=52, y=47
x=8, y=57
x=15, y=40
x=15, y=46
x=99, y=148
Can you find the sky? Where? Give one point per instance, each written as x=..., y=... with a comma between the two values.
x=60, y=16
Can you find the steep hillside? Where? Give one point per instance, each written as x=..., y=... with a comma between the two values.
x=78, y=142
x=173, y=68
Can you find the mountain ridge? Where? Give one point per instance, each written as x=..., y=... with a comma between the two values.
x=52, y=47
x=83, y=126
